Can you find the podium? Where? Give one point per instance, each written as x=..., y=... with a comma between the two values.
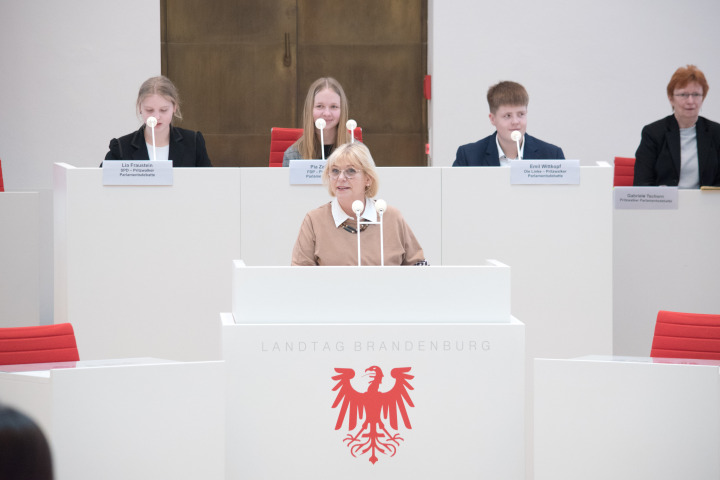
x=457, y=358
x=19, y=259
x=121, y=419
x=143, y=270
x=601, y=417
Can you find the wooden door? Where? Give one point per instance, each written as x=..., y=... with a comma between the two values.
x=244, y=66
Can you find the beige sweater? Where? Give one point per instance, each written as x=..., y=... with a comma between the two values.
x=320, y=242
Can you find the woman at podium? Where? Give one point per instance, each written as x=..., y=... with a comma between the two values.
x=158, y=98
x=325, y=99
x=682, y=149
x=328, y=235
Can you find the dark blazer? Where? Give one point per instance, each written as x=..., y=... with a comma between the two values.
x=657, y=159
x=187, y=148
x=484, y=153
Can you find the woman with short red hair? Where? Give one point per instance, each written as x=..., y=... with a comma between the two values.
x=682, y=149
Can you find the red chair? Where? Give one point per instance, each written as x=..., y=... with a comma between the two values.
x=624, y=172
x=2, y=186
x=282, y=138
x=686, y=335
x=41, y=344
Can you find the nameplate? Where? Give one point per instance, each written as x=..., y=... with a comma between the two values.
x=645, y=198
x=544, y=172
x=137, y=172
x=306, y=172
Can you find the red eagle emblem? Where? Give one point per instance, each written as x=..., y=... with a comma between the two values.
x=375, y=406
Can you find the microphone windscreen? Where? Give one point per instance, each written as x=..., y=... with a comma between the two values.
x=516, y=135
x=380, y=205
x=151, y=122
x=320, y=123
x=357, y=207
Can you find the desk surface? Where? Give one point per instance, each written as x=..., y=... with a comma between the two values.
x=44, y=368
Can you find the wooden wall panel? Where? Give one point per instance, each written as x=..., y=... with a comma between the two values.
x=229, y=60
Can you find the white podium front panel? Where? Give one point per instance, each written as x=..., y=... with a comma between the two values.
x=664, y=260
x=144, y=270
x=134, y=418
x=19, y=259
x=398, y=294
x=465, y=382
x=627, y=418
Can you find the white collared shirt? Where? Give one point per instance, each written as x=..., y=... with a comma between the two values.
x=163, y=153
x=504, y=161
x=370, y=214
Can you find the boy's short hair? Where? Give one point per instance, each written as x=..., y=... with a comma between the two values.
x=507, y=93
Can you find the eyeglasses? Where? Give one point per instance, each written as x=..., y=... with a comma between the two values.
x=348, y=172
x=685, y=96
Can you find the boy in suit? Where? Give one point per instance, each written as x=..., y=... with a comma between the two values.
x=508, y=103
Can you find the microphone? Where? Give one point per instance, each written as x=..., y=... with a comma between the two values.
x=351, y=125
x=381, y=207
x=151, y=122
x=516, y=136
x=320, y=125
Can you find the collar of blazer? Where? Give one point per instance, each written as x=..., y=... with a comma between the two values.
x=529, y=148
x=140, y=150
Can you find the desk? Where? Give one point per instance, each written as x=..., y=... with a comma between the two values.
x=663, y=260
x=122, y=419
x=603, y=417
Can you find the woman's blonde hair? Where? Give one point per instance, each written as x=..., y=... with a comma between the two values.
x=357, y=155
x=160, y=86
x=309, y=145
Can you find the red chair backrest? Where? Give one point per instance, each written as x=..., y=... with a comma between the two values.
x=41, y=344
x=686, y=335
x=624, y=172
x=2, y=186
x=282, y=138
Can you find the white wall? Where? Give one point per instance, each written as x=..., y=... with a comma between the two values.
x=596, y=71
x=71, y=71
x=70, y=74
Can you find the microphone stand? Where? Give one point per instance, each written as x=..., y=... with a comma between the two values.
x=320, y=125
x=152, y=129
x=151, y=122
x=380, y=206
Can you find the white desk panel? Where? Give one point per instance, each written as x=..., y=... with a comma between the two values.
x=600, y=418
x=132, y=418
x=144, y=270
x=19, y=259
x=664, y=260
x=557, y=240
